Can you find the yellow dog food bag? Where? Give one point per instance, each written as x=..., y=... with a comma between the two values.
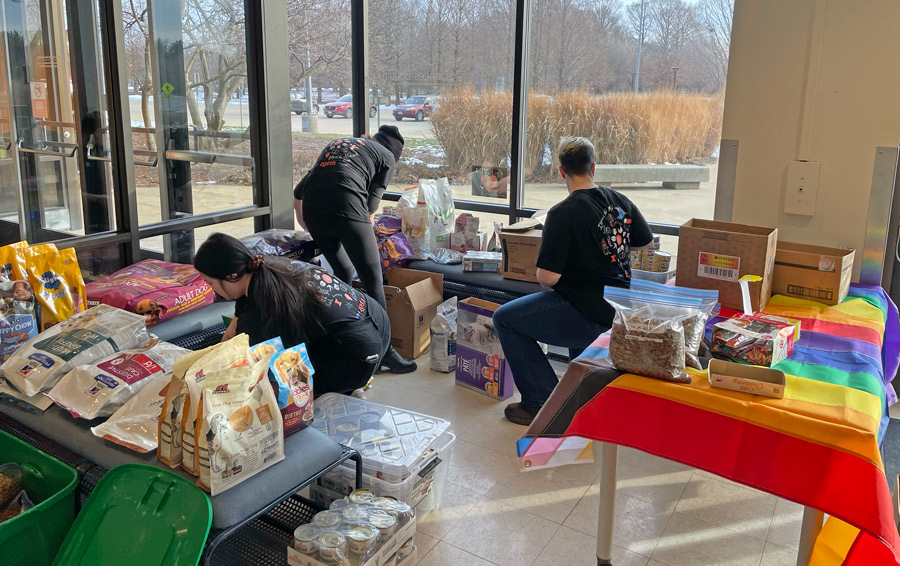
x=57, y=283
x=12, y=262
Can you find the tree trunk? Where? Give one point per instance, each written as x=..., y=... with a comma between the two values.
x=146, y=89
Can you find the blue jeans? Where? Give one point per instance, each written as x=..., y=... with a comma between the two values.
x=542, y=317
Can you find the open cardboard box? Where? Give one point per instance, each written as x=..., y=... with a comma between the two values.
x=747, y=379
x=412, y=300
x=810, y=272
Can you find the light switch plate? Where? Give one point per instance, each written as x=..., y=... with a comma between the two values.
x=802, y=188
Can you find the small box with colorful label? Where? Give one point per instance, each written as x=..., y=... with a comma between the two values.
x=480, y=362
x=761, y=340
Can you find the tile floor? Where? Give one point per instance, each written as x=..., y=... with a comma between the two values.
x=667, y=514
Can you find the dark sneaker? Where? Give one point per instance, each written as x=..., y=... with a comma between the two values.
x=520, y=414
x=397, y=363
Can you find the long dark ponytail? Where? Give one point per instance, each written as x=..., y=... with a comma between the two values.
x=275, y=291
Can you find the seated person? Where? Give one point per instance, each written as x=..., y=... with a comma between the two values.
x=346, y=332
x=587, y=243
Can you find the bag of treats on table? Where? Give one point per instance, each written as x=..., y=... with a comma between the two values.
x=233, y=353
x=18, y=322
x=758, y=339
x=57, y=283
x=291, y=375
x=136, y=424
x=241, y=430
x=292, y=244
x=694, y=327
x=82, y=339
x=171, y=418
x=158, y=290
x=647, y=335
x=99, y=389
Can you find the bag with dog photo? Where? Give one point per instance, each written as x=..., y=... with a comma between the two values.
x=241, y=430
x=291, y=375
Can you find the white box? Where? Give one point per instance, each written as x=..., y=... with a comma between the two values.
x=747, y=379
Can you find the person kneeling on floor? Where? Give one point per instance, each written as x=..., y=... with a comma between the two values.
x=346, y=333
x=587, y=243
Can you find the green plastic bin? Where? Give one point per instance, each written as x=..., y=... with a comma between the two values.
x=33, y=538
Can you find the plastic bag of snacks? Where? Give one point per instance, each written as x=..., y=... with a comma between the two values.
x=136, y=424
x=18, y=322
x=158, y=290
x=234, y=353
x=647, y=335
x=83, y=339
x=695, y=326
x=759, y=339
x=241, y=431
x=443, y=337
x=291, y=244
x=99, y=389
x=57, y=283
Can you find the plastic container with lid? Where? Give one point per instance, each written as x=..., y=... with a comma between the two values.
x=394, y=443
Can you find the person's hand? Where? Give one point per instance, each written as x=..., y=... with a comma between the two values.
x=372, y=219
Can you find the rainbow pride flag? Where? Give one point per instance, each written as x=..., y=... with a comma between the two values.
x=818, y=446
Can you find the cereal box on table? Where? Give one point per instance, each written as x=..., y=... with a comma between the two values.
x=480, y=362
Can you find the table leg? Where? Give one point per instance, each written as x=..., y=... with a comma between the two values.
x=605, y=454
x=809, y=532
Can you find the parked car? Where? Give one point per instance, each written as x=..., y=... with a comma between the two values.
x=299, y=105
x=419, y=107
x=344, y=107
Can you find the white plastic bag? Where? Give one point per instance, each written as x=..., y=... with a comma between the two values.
x=443, y=337
x=438, y=199
x=99, y=389
x=136, y=424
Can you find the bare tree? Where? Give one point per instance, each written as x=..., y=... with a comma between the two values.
x=716, y=18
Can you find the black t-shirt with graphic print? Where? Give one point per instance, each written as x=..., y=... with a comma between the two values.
x=348, y=179
x=587, y=239
x=336, y=303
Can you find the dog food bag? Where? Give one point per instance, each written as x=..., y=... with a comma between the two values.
x=158, y=290
x=232, y=353
x=241, y=430
x=443, y=337
x=57, y=283
x=267, y=348
x=35, y=404
x=12, y=262
x=83, y=339
x=136, y=424
x=396, y=251
x=292, y=244
x=171, y=418
x=291, y=375
x=694, y=327
x=18, y=322
x=416, y=229
x=99, y=389
x=438, y=198
x=647, y=335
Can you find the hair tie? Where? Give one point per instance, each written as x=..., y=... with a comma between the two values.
x=256, y=262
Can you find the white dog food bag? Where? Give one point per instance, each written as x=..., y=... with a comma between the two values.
x=136, y=424
x=443, y=337
x=241, y=433
x=99, y=389
x=229, y=354
x=83, y=339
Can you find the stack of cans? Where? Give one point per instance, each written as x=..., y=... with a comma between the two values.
x=652, y=259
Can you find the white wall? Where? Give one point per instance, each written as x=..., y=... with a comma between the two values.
x=815, y=80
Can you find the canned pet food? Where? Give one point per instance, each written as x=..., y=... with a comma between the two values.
x=361, y=496
x=327, y=519
x=305, y=538
x=406, y=550
x=346, y=428
x=332, y=547
x=384, y=522
x=369, y=420
x=385, y=503
x=362, y=539
x=355, y=514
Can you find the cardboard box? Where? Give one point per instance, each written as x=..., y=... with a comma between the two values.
x=480, y=362
x=715, y=255
x=458, y=241
x=810, y=272
x=747, y=379
x=412, y=300
x=482, y=262
x=520, y=253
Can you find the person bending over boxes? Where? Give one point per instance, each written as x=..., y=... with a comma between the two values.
x=587, y=243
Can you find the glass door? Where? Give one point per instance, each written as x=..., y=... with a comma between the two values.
x=10, y=226
x=55, y=95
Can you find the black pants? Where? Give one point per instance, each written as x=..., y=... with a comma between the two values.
x=349, y=244
x=351, y=353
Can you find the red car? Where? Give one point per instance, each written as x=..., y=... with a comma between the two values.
x=344, y=107
x=418, y=107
